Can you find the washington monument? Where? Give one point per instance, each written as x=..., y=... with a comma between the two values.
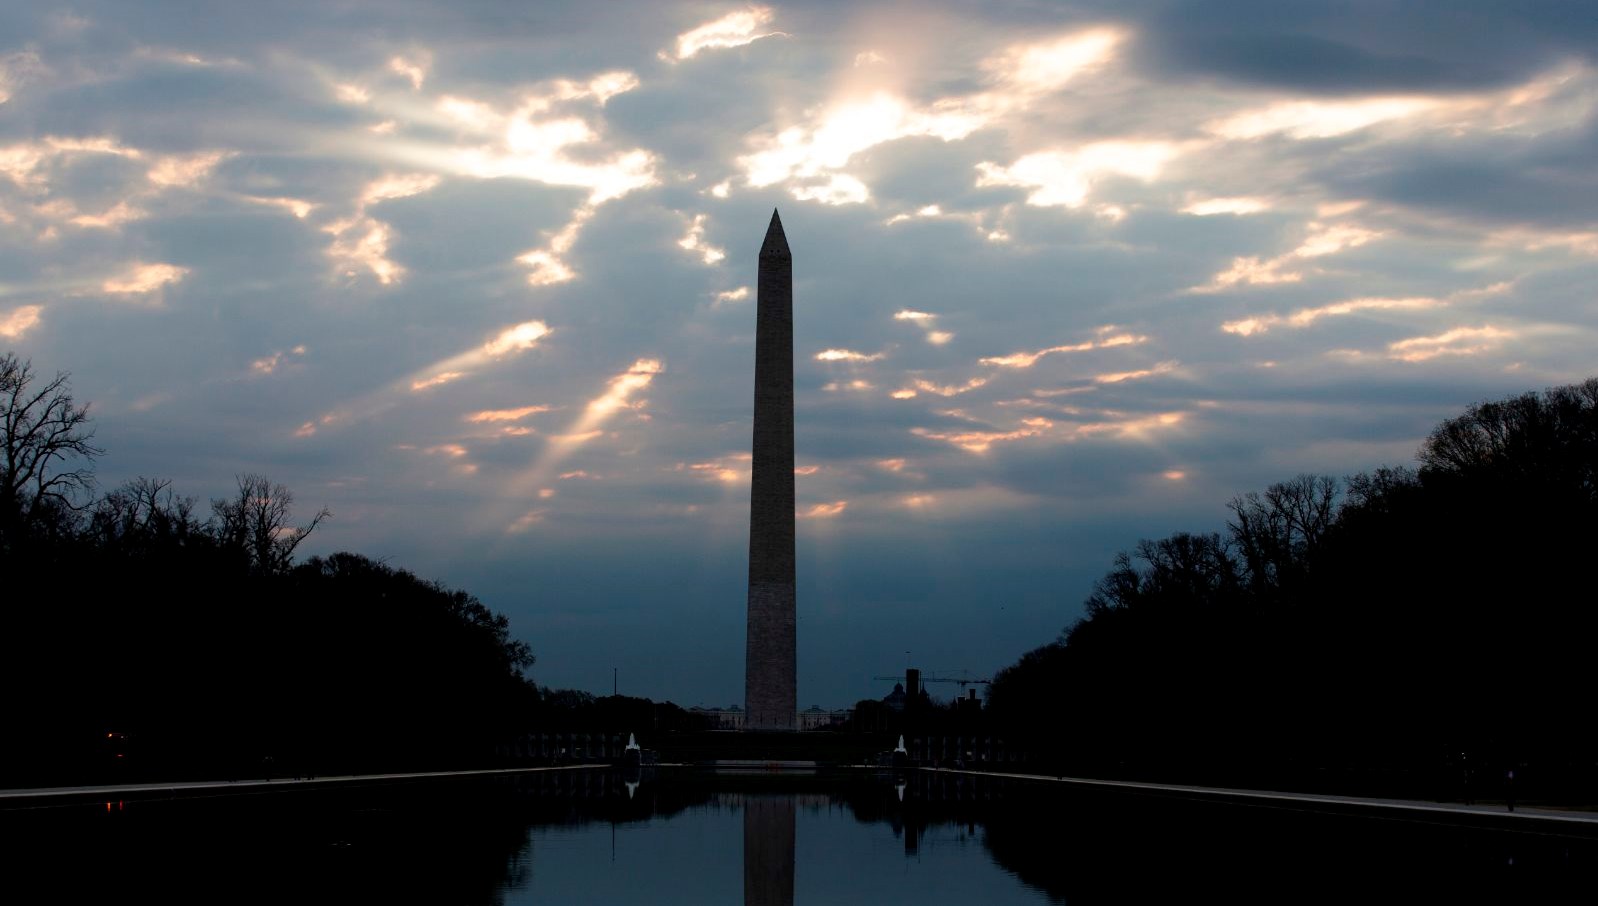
x=771, y=701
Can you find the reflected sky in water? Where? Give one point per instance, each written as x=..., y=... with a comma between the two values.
x=766, y=850
x=760, y=840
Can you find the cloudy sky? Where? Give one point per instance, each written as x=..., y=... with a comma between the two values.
x=478, y=277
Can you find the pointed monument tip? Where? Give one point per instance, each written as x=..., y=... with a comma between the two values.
x=776, y=241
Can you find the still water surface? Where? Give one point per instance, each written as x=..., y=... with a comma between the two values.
x=689, y=837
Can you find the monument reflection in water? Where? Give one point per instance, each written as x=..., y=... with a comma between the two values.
x=768, y=850
x=688, y=837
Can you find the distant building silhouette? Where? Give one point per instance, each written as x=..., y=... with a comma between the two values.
x=895, y=700
x=770, y=682
x=729, y=718
x=817, y=718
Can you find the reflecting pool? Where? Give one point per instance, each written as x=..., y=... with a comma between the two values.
x=684, y=836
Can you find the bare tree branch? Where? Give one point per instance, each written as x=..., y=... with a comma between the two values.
x=43, y=431
x=255, y=522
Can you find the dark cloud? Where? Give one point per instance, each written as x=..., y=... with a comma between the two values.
x=1371, y=46
x=1308, y=62
x=1487, y=185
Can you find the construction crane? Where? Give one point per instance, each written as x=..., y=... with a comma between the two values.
x=914, y=677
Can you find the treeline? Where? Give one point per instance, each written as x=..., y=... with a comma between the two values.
x=145, y=641
x=1412, y=631
x=575, y=710
x=140, y=639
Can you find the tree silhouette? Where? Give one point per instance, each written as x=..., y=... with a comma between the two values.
x=1277, y=531
x=47, y=458
x=144, y=514
x=1371, y=635
x=254, y=522
x=200, y=646
x=1549, y=440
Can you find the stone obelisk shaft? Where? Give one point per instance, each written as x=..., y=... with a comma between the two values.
x=770, y=694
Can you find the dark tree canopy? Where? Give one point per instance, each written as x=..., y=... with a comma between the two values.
x=200, y=645
x=144, y=514
x=1278, y=531
x=1401, y=630
x=1546, y=441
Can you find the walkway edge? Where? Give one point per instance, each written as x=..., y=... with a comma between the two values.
x=116, y=791
x=1534, y=820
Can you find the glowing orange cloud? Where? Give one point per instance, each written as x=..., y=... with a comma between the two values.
x=925, y=321
x=182, y=171
x=505, y=415
x=1459, y=341
x=1117, y=377
x=694, y=241
x=720, y=470
x=1304, y=317
x=16, y=322
x=519, y=338
x=143, y=278
x=414, y=69
x=1133, y=428
x=526, y=521
x=1213, y=206
x=1320, y=240
x=618, y=395
x=508, y=342
x=436, y=380
x=360, y=242
x=270, y=364
x=847, y=355
x=732, y=30
x=1028, y=359
x=982, y=441
x=812, y=158
x=1065, y=178
x=1319, y=119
